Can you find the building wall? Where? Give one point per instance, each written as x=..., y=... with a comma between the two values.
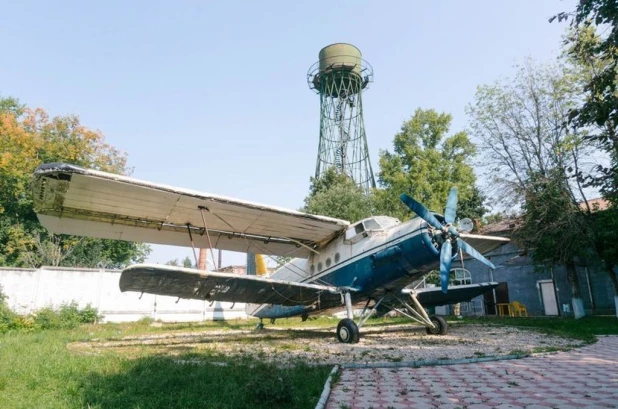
x=522, y=278
x=32, y=289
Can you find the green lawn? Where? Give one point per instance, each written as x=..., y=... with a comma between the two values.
x=38, y=370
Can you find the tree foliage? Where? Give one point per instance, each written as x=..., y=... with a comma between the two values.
x=28, y=138
x=553, y=226
x=598, y=110
x=519, y=123
x=536, y=161
x=426, y=163
x=336, y=195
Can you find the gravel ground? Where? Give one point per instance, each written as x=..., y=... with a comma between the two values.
x=400, y=343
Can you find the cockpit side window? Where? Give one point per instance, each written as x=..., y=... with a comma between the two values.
x=371, y=224
x=355, y=233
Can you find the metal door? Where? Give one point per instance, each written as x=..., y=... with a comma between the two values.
x=549, y=297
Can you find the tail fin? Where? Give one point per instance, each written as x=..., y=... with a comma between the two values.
x=256, y=265
x=260, y=265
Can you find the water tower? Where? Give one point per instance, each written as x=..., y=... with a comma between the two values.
x=339, y=78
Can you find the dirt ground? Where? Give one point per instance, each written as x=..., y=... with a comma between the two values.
x=397, y=343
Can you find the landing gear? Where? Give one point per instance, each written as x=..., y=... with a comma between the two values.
x=440, y=326
x=434, y=325
x=272, y=320
x=304, y=317
x=347, y=331
x=260, y=325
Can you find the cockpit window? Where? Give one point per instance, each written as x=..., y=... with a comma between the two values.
x=387, y=222
x=371, y=224
x=360, y=229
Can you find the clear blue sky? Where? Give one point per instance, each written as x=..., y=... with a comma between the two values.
x=213, y=96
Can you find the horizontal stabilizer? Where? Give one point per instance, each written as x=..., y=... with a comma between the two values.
x=433, y=297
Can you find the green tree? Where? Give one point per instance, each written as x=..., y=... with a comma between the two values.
x=187, y=262
x=173, y=262
x=598, y=109
x=554, y=229
x=28, y=138
x=426, y=163
x=336, y=195
x=588, y=65
x=534, y=161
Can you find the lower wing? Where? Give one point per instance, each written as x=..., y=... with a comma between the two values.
x=201, y=285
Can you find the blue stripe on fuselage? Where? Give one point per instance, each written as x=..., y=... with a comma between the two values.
x=379, y=266
x=370, y=270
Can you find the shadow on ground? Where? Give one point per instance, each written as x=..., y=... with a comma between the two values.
x=194, y=380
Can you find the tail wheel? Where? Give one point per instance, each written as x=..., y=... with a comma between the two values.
x=440, y=326
x=347, y=331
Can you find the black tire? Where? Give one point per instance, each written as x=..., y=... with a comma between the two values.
x=259, y=326
x=347, y=331
x=441, y=327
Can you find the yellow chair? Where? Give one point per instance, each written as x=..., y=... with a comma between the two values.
x=519, y=309
x=504, y=308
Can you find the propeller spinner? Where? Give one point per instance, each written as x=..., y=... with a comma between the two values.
x=446, y=234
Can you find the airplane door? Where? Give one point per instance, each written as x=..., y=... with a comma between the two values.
x=548, y=294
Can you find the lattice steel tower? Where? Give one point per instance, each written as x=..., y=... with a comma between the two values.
x=339, y=77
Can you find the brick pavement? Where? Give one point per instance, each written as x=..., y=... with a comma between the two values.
x=583, y=378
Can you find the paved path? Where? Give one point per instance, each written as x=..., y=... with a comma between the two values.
x=583, y=378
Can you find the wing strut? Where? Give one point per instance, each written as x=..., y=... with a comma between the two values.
x=212, y=253
x=192, y=245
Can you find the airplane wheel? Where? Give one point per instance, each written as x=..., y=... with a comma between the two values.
x=304, y=317
x=347, y=331
x=259, y=326
x=441, y=327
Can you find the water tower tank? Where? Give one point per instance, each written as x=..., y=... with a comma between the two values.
x=340, y=56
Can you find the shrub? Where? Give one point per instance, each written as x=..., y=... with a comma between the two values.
x=6, y=318
x=68, y=316
x=6, y=315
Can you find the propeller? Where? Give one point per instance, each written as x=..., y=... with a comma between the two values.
x=445, y=234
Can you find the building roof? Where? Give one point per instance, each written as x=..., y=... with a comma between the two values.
x=595, y=204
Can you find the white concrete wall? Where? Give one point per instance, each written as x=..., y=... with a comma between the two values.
x=30, y=289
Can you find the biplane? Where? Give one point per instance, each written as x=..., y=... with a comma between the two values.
x=334, y=264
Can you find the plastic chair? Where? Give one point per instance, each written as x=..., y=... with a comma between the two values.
x=519, y=309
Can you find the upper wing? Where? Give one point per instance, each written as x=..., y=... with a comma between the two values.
x=73, y=200
x=202, y=285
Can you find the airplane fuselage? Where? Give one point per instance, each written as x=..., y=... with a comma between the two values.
x=370, y=261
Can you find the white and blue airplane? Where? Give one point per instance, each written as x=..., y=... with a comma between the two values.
x=335, y=264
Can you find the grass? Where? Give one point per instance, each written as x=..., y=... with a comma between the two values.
x=37, y=370
x=584, y=329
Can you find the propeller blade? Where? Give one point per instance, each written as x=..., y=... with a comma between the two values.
x=471, y=251
x=446, y=254
x=451, y=206
x=420, y=210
